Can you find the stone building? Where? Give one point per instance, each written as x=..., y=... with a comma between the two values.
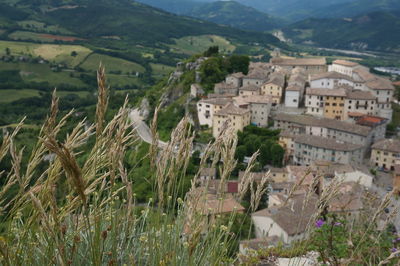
x=206, y=108
x=310, y=65
x=232, y=117
x=308, y=149
x=386, y=154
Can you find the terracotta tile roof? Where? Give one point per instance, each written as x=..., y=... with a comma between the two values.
x=348, y=199
x=380, y=84
x=299, y=61
x=242, y=100
x=345, y=63
x=330, y=75
x=301, y=175
x=364, y=74
x=326, y=92
x=307, y=120
x=326, y=143
x=390, y=145
x=293, y=217
x=277, y=79
x=257, y=74
x=216, y=101
x=371, y=121
x=294, y=88
x=360, y=95
x=232, y=109
x=206, y=203
x=397, y=83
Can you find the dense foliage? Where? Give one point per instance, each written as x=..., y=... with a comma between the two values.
x=265, y=140
x=216, y=68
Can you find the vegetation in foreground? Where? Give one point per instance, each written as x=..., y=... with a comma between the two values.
x=78, y=208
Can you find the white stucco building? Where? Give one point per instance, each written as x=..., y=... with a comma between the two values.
x=206, y=108
x=330, y=80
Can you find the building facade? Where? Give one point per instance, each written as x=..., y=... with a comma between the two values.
x=312, y=148
x=385, y=154
x=230, y=117
x=206, y=108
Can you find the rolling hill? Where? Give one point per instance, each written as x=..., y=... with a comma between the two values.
x=236, y=15
x=123, y=20
x=372, y=31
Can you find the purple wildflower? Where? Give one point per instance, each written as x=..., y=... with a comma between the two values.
x=337, y=224
x=398, y=239
x=393, y=250
x=319, y=223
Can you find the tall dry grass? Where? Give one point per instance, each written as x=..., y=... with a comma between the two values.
x=96, y=220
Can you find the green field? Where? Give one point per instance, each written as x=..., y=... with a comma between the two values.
x=160, y=70
x=116, y=81
x=112, y=64
x=42, y=73
x=7, y=96
x=52, y=52
x=197, y=44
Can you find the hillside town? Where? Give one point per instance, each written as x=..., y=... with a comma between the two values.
x=332, y=120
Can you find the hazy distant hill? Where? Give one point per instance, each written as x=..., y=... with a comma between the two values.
x=356, y=7
x=293, y=10
x=229, y=13
x=236, y=15
x=373, y=31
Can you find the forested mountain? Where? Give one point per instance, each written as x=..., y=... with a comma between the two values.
x=373, y=31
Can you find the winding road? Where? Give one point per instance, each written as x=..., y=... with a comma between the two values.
x=143, y=129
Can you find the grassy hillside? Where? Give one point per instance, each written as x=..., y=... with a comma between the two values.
x=373, y=31
x=129, y=22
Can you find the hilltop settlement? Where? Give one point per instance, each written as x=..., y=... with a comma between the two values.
x=332, y=120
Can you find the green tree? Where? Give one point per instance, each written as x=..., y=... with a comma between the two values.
x=212, y=51
x=8, y=51
x=240, y=153
x=211, y=72
x=239, y=63
x=277, y=153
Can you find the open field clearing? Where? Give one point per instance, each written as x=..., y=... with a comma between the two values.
x=160, y=70
x=42, y=73
x=51, y=52
x=198, y=44
x=7, y=96
x=112, y=64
